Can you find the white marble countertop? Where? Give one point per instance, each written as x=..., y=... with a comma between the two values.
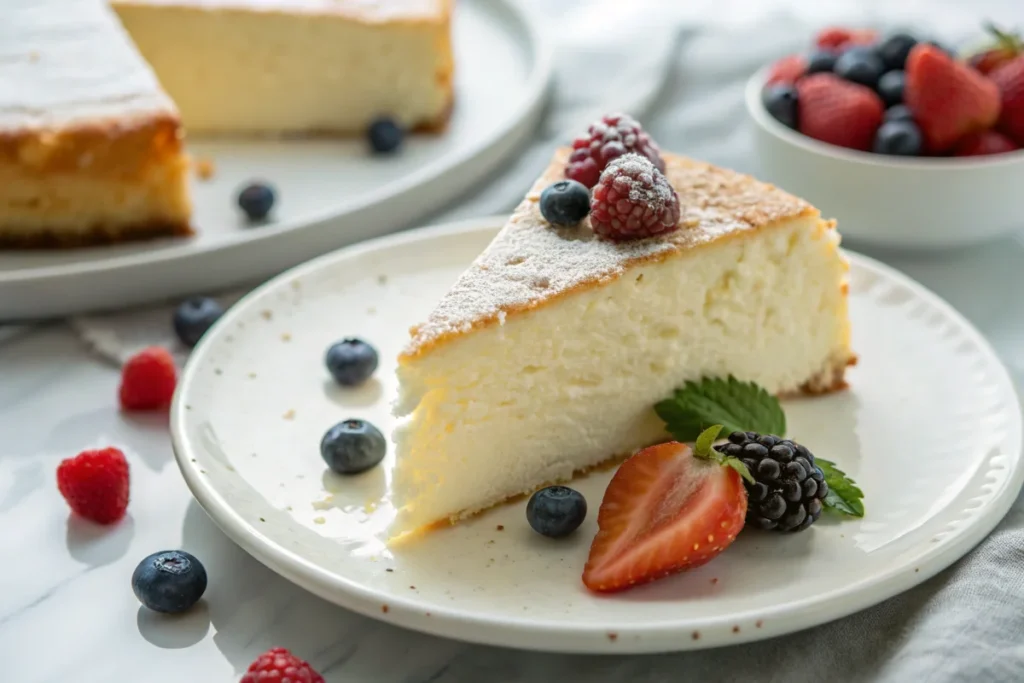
x=67, y=611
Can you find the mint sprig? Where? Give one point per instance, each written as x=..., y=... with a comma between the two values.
x=705, y=448
x=700, y=411
x=737, y=406
x=843, y=493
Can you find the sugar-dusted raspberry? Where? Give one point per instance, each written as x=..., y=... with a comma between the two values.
x=278, y=665
x=608, y=139
x=633, y=200
x=95, y=484
x=148, y=380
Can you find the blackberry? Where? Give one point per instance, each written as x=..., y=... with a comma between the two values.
x=788, y=486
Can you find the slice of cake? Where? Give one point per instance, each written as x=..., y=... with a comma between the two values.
x=243, y=67
x=90, y=146
x=548, y=354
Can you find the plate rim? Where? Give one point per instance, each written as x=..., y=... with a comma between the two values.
x=464, y=625
x=489, y=150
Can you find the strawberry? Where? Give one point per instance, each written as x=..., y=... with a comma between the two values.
x=948, y=98
x=836, y=38
x=984, y=143
x=787, y=70
x=1003, y=48
x=666, y=510
x=1009, y=78
x=839, y=112
x=95, y=484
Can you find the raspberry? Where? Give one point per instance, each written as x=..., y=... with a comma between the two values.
x=607, y=139
x=148, y=380
x=95, y=484
x=632, y=200
x=278, y=665
x=788, y=487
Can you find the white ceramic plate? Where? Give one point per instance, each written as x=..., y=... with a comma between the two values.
x=930, y=428
x=331, y=193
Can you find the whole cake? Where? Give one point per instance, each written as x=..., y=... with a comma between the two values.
x=91, y=138
x=90, y=146
x=548, y=354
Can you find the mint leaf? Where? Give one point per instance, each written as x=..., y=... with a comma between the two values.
x=704, y=448
x=844, y=496
x=706, y=440
x=737, y=406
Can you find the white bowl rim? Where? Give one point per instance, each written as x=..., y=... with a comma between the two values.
x=758, y=112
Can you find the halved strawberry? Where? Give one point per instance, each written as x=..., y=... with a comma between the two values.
x=665, y=511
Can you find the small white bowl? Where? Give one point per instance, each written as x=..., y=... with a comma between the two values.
x=917, y=203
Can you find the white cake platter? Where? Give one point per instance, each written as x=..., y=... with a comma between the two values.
x=330, y=192
x=937, y=453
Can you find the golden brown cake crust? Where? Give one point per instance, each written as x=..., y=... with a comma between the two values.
x=94, y=236
x=531, y=264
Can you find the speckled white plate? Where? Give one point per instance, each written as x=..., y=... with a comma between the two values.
x=930, y=428
x=330, y=192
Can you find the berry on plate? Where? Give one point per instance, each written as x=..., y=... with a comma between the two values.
x=984, y=143
x=633, y=200
x=1010, y=81
x=194, y=317
x=788, y=487
x=256, y=200
x=839, y=112
x=147, y=380
x=900, y=138
x=556, y=511
x=566, y=202
x=949, y=99
x=95, y=484
x=787, y=70
x=668, y=508
x=860, y=64
x=839, y=38
x=890, y=87
x=782, y=102
x=352, y=446
x=278, y=665
x=895, y=49
x=385, y=135
x=606, y=140
x=351, y=362
x=170, y=581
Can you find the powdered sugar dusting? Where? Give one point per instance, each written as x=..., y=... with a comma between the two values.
x=639, y=183
x=530, y=261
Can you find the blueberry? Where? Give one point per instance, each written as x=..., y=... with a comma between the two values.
x=351, y=362
x=899, y=138
x=256, y=200
x=385, y=135
x=894, y=50
x=782, y=102
x=194, y=317
x=352, y=446
x=556, y=511
x=566, y=202
x=170, y=581
x=899, y=112
x=890, y=87
x=860, y=64
x=821, y=61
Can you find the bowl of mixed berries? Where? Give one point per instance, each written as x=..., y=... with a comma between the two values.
x=906, y=142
